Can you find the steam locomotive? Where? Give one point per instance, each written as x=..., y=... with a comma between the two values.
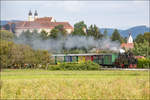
x=118, y=60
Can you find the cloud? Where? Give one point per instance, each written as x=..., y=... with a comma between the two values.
x=68, y=6
x=73, y=6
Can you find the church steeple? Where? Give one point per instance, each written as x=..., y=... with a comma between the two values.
x=30, y=13
x=30, y=16
x=35, y=15
x=130, y=39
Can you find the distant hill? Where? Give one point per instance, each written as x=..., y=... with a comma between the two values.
x=134, y=30
x=4, y=22
x=109, y=30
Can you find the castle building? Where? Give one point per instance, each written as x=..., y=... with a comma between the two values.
x=39, y=24
x=129, y=44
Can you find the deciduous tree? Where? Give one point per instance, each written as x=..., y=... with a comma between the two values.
x=79, y=28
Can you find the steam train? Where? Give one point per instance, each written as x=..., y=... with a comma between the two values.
x=118, y=60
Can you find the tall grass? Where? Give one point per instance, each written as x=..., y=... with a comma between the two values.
x=75, y=84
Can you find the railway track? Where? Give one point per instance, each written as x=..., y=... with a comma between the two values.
x=136, y=69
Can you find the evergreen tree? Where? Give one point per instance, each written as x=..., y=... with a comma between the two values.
x=94, y=31
x=13, y=27
x=116, y=36
x=97, y=33
x=105, y=33
x=90, y=31
x=7, y=27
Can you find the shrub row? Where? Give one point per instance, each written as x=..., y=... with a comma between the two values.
x=75, y=66
x=21, y=56
x=143, y=63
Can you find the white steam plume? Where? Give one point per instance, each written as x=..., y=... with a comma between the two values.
x=71, y=42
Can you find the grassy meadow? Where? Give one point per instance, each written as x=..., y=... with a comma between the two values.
x=44, y=84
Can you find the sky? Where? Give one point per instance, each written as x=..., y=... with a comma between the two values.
x=105, y=14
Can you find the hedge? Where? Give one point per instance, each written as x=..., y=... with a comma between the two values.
x=143, y=63
x=75, y=66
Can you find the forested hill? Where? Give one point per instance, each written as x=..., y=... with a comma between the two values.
x=134, y=30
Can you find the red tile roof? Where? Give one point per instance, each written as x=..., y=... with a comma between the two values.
x=139, y=57
x=44, y=19
x=65, y=24
x=41, y=23
x=127, y=45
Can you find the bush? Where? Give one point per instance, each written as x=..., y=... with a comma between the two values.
x=53, y=67
x=89, y=65
x=143, y=63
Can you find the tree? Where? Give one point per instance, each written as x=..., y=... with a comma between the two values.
x=18, y=55
x=105, y=33
x=26, y=37
x=139, y=39
x=79, y=28
x=141, y=49
x=6, y=35
x=44, y=34
x=54, y=33
x=142, y=45
x=1, y=27
x=116, y=36
x=7, y=27
x=61, y=30
x=35, y=34
x=97, y=33
x=5, y=53
x=147, y=36
x=13, y=27
x=58, y=31
x=125, y=39
x=94, y=31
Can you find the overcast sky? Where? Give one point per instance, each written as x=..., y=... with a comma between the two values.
x=105, y=14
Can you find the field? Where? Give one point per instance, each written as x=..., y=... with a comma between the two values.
x=43, y=84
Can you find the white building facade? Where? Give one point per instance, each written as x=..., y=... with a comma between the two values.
x=39, y=24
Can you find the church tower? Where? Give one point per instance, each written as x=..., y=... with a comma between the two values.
x=35, y=15
x=30, y=16
x=130, y=39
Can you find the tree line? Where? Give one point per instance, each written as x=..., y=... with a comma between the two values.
x=142, y=45
x=80, y=29
x=14, y=55
x=141, y=42
x=22, y=55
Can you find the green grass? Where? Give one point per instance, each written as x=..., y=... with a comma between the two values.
x=44, y=84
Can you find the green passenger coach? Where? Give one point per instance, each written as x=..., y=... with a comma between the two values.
x=102, y=59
